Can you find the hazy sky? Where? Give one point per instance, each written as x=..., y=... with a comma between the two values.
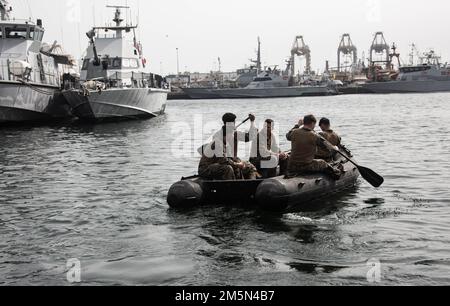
x=204, y=30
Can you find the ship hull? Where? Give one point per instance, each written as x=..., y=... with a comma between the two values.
x=201, y=93
x=282, y=92
x=117, y=104
x=250, y=93
x=21, y=103
x=408, y=87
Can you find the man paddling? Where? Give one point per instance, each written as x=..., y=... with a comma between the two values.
x=305, y=144
x=329, y=135
x=219, y=159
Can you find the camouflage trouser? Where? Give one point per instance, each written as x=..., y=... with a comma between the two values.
x=317, y=165
x=249, y=173
x=218, y=172
x=229, y=173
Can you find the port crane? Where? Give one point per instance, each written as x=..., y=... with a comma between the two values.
x=381, y=59
x=299, y=48
x=381, y=49
x=347, y=50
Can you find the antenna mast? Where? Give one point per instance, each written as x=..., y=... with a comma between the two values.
x=118, y=18
x=258, y=57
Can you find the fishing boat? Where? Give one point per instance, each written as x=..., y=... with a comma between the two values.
x=30, y=72
x=115, y=82
x=273, y=194
x=429, y=76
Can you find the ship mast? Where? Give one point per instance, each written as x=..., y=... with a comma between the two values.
x=5, y=9
x=118, y=18
x=258, y=59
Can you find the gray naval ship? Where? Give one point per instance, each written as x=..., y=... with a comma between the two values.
x=429, y=76
x=114, y=81
x=30, y=72
x=268, y=84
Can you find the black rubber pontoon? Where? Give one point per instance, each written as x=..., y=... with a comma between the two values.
x=274, y=194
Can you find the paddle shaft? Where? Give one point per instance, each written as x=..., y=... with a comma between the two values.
x=243, y=122
x=369, y=175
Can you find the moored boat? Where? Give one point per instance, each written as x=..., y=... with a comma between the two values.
x=268, y=84
x=115, y=81
x=427, y=77
x=30, y=72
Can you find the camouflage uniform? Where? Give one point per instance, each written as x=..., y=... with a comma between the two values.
x=217, y=161
x=333, y=138
x=305, y=144
x=225, y=169
x=216, y=168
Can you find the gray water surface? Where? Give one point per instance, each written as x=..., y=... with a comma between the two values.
x=98, y=193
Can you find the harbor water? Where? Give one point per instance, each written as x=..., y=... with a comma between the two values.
x=97, y=194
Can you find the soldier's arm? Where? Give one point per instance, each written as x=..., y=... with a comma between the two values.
x=289, y=135
x=324, y=144
x=250, y=135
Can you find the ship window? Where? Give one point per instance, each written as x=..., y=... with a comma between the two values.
x=130, y=63
x=125, y=63
x=32, y=34
x=134, y=63
x=117, y=63
x=16, y=32
x=263, y=79
x=415, y=69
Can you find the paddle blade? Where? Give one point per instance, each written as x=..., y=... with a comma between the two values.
x=371, y=176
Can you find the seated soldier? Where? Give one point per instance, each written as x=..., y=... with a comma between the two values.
x=329, y=135
x=217, y=168
x=266, y=153
x=219, y=159
x=305, y=143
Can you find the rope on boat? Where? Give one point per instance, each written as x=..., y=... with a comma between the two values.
x=33, y=87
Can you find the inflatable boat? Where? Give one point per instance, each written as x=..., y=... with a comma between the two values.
x=274, y=194
x=283, y=193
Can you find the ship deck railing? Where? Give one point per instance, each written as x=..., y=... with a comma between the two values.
x=30, y=76
x=138, y=80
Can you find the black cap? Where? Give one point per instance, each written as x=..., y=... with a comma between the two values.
x=324, y=121
x=229, y=118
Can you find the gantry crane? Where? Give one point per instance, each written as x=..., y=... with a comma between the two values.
x=300, y=49
x=347, y=49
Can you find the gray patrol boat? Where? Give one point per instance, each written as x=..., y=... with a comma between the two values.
x=30, y=72
x=268, y=84
x=114, y=81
